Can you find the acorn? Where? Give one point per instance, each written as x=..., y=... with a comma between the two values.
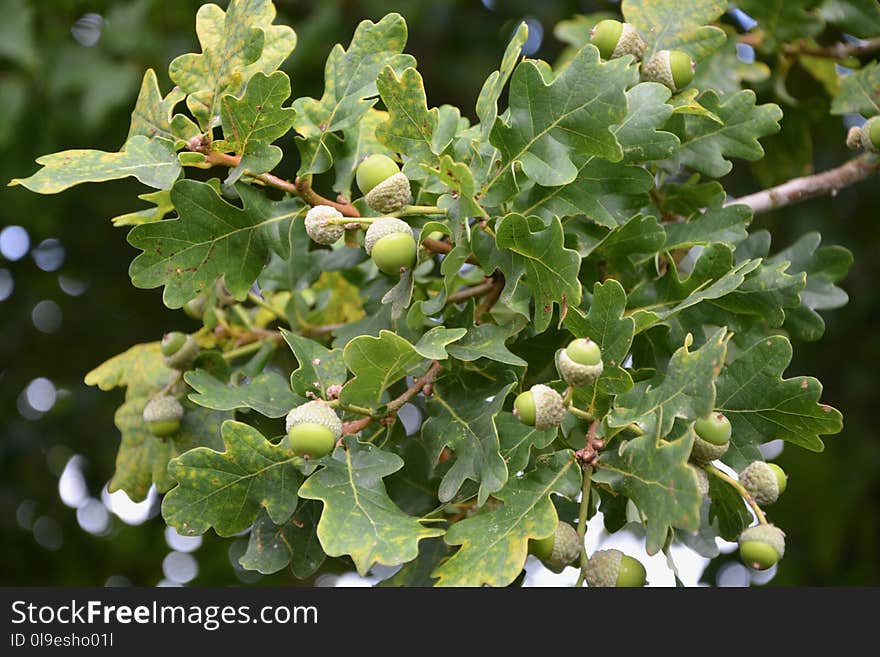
x=313, y=429
x=616, y=39
x=391, y=194
x=390, y=243
x=761, y=546
x=179, y=350
x=162, y=415
x=374, y=170
x=610, y=568
x=559, y=549
x=870, y=135
x=580, y=363
x=319, y=226
x=712, y=438
x=540, y=407
x=765, y=482
x=673, y=68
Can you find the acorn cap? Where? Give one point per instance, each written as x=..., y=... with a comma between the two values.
x=760, y=480
x=574, y=373
x=382, y=227
x=705, y=452
x=566, y=547
x=629, y=43
x=315, y=412
x=549, y=409
x=702, y=480
x=183, y=356
x=391, y=194
x=163, y=408
x=318, y=226
x=870, y=135
x=661, y=66
x=603, y=568
x=769, y=534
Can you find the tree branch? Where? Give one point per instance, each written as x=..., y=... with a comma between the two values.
x=800, y=189
x=301, y=188
x=837, y=51
x=469, y=292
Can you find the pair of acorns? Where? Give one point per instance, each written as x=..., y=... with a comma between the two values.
x=164, y=413
x=389, y=241
x=606, y=568
x=673, y=68
x=763, y=545
x=579, y=365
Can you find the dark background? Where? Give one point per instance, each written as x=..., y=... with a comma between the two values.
x=56, y=93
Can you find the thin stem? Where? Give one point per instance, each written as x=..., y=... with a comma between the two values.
x=574, y=410
x=837, y=51
x=246, y=350
x=582, y=522
x=173, y=381
x=437, y=246
x=266, y=306
x=301, y=188
x=353, y=408
x=801, y=189
x=408, y=210
x=491, y=298
x=469, y=292
x=723, y=476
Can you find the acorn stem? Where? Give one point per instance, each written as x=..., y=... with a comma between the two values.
x=723, y=476
x=408, y=210
x=266, y=306
x=574, y=410
x=582, y=521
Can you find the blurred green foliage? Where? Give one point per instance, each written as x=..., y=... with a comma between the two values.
x=59, y=92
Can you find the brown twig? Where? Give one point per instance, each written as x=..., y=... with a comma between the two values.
x=800, y=189
x=837, y=51
x=437, y=246
x=302, y=186
x=474, y=291
x=394, y=405
x=491, y=298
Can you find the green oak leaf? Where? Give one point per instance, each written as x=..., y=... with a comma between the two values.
x=858, y=92
x=142, y=459
x=359, y=519
x=726, y=72
x=349, y=88
x=461, y=415
x=706, y=145
x=762, y=406
x=727, y=509
x=783, y=21
x=485, y=341
x=162, y=207
x=487, y=101
x=418, y=572
x=766, y=293
x=319, y=367
x=410, y=126
x=716, y=224
x=251, y=123
x=606, y=325
x=140, y=368
x=622, y=247
x=226, y=490
x=536, y=252
x=459, y=179
x=211, y=238
x=152, y=113
x=674, y=25
x=152, y=162
x=517, y=440
x=399, y=296
x=360, y=142
x=686, y=390
x=376, y=364
x=271, y=547
x=640, y=134
x=267, y=393
x=656, y=476
x=549, y=121
x=236, y=44
x=494, y=543
x=433, y=343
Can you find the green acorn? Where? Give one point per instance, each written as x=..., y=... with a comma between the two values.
x=195, y=308
x=559, y=549
x=610, y=568
x=764, y=481
x=870, y=134
x=373, y=170
x=313, y=429
x=162, y=415
x=319, y=226
x=179, y=350
x=712, y=438
x=673, y=68
x=580, y=363
x=761, y=546
x=616, y=39
x=389, y=242
x=540, y=407
x=391, y=194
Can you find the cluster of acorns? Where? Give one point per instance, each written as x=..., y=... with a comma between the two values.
x=164, y=413
x=763, y=545
x=388, y=241
x=673, y=68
